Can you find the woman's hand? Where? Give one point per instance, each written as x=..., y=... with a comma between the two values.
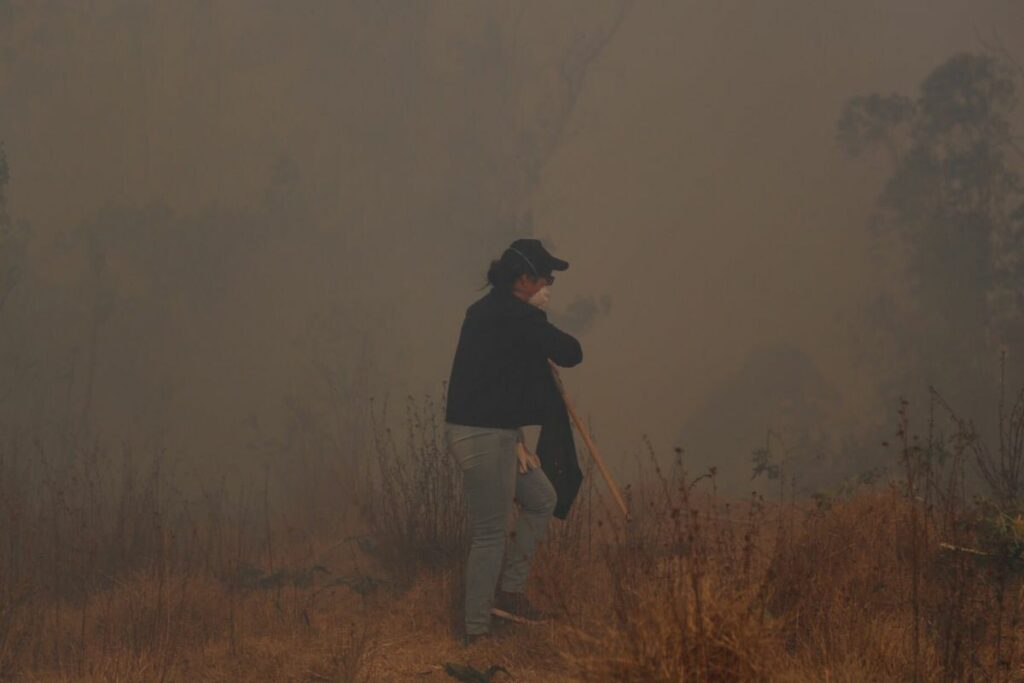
x=527, y=460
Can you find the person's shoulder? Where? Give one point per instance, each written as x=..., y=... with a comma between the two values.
x=481, y=303
x=484, y=307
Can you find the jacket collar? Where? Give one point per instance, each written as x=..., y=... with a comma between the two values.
x=506, y=294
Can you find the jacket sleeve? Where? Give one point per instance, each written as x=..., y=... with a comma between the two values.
x=560, y=347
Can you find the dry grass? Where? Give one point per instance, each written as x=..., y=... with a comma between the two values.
x=108, y=572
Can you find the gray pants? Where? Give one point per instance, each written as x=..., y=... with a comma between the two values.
x=491, y=481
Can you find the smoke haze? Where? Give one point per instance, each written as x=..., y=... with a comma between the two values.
x=228, y=202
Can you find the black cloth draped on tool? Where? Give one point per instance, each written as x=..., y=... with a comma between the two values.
x=557, y=453
x=556, y=448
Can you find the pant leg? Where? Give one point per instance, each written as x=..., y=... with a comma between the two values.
x=488, y=461
x=537, y=499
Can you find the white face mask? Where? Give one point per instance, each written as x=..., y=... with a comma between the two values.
x=542, y=297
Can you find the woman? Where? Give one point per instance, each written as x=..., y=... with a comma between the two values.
x=501, y=381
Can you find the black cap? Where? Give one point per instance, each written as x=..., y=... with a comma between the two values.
x=537, y=258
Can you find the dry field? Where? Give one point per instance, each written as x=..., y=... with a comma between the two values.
x=111, y=569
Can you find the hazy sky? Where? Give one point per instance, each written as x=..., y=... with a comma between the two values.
x=337, y=172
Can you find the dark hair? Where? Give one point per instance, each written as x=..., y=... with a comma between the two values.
x=504, y=271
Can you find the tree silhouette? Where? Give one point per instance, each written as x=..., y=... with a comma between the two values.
x=952, y=212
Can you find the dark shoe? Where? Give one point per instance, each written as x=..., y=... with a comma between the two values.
x=515, y=607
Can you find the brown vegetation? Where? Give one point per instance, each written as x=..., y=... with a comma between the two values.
x=109, y=572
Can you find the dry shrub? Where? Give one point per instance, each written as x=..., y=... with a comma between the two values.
x=840, y=590
x=674, y=594
x=349, y=656
x=843, y=562
x=413, y=503
x=680, y=629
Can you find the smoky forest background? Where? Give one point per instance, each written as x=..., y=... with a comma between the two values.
x=238, y=238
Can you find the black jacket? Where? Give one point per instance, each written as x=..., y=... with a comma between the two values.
x=500, y=378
